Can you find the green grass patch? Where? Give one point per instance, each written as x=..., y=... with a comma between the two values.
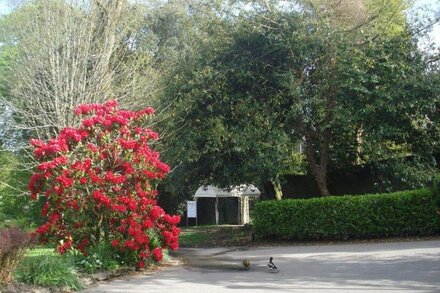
x=192, y=238
x=206, y=236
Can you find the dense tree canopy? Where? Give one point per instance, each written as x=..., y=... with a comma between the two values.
x=281, y=78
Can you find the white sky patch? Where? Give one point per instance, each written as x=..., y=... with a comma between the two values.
x=4, y=7
x=428, y=9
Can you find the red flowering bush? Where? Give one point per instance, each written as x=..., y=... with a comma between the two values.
x=99, y=182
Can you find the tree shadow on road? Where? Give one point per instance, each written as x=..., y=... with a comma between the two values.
x=338, y=271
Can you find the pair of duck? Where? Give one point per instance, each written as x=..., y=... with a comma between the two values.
x=272, y=267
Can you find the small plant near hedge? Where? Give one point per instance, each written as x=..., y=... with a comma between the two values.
x=406, y=213
x=101, y=257
x=13, y=243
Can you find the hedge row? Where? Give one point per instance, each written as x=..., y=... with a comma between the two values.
x=342, y=217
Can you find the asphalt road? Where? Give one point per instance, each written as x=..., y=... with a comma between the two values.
x=371, y=267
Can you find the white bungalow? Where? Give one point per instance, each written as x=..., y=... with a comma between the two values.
x=226, y=206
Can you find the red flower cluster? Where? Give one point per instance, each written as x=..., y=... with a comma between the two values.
x=157, y=253
x=97, y=180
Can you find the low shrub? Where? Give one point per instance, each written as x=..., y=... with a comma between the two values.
x=396, y=214
x=13, y=243
x=101, y=257
x=436, y=189
x=48, y=270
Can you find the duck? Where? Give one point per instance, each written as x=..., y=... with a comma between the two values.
x=246, y=264
x=272, y=267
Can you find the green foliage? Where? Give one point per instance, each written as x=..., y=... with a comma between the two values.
x=280, y=77
x=48, y=270
x=166, y=255
x=15, y=207
x=436, y=183
x=404, y=173
x=2, y=71
x=436, y=189
x=101, y=257
x=226, y=101
x=368, y=216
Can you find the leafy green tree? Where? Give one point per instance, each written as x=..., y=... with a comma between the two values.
x=16, y=209
x=225, y=102
x=279, y=78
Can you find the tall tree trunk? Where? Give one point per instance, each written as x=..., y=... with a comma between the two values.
x=359, y=142
x=318, y=136
x=277, y=188
x=321, y=180
x=318, y=170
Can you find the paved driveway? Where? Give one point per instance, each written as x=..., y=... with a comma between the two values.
x=373, y=267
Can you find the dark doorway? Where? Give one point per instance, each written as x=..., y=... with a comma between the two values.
x=228, y=210
x=206, y=211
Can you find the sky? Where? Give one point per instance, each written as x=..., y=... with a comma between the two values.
x=432, y=4
x=4, y=7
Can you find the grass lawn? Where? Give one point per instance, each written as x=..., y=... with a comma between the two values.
x=192, y=238
x=211, y=236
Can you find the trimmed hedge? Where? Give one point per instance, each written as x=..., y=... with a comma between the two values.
x=403, y=213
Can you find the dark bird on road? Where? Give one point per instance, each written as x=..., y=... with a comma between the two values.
x=273, y=268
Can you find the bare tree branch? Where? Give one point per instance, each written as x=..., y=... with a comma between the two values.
x=70, y=53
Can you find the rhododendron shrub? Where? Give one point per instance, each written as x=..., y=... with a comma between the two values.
x=100, y=181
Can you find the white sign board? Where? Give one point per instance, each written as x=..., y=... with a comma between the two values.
x=191, y=209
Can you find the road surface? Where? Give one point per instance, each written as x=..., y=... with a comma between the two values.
x=368, y=267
